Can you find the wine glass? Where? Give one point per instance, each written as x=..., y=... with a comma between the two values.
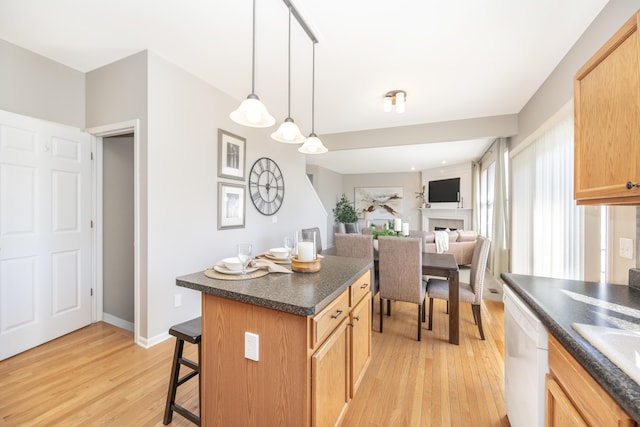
x=244, y=255
x=288, y=245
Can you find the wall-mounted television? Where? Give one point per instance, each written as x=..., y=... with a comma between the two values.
x=444, y=190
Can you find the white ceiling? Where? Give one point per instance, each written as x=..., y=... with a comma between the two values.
x=455, y=59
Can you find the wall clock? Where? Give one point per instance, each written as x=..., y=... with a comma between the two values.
x=266, y=186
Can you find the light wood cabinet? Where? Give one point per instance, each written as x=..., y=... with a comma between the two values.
x=308, y=367
x=574, y=398
x=607, y=119
x=339, y=364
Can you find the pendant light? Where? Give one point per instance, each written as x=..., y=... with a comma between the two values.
x=252, y=111
x=289, y=132
x=313, y=145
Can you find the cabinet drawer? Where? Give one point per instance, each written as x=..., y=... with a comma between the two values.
x=360, y=288
x=325, y=322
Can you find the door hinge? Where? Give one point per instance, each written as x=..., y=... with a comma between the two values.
x=92, y=155
x=91, y=223
x=91, y=291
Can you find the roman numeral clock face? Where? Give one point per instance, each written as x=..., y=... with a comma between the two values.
x=266, y=186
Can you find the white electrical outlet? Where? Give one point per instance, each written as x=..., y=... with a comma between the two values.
x=626, y=248
x=177, y=300
x=274, y=219
x=251, y=346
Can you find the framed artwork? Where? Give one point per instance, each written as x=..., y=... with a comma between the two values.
x=231, y=205
x=231, y=155
x=382, y=202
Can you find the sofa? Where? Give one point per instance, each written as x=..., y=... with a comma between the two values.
x=461, y=243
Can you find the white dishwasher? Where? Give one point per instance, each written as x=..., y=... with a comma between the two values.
x=526, y=362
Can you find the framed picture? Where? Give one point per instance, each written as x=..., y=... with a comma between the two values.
x=382, y=202
x=231, y=155
x=231, y=205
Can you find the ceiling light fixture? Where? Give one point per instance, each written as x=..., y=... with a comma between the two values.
x=289, y=132
x=397, y=98
x=313, y=145
x=252, y=111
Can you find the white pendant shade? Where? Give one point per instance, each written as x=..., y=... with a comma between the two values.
x=400, y=102
x=252, y=113
x=313, y=145
x=288, y=132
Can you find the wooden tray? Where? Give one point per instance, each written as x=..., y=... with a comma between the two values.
x=305, y=266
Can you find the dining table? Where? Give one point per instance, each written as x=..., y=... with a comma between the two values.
x=443, y=265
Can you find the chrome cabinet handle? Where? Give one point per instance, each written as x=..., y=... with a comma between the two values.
x=336, y=314
x=364, y=285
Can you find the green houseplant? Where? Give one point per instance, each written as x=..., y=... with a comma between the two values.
x=344, y=213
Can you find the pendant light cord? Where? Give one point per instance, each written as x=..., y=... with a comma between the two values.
x=313, y=90
x=289, y=59
x=253, y=51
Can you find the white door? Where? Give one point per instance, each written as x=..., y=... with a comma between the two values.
x=45, y=231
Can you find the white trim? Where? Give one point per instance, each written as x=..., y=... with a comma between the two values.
x=146, y=343
x=116, y=321
x=100, y=132
x=561, y=114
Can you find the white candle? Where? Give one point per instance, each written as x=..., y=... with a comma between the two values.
x=305, y=251
x=397, y=224
x=405, y=228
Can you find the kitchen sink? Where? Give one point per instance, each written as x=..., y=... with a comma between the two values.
x=620, y=346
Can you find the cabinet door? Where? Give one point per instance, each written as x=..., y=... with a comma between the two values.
x=560, y=410
x=607, y=118
x=330, y=379
x=360, y=342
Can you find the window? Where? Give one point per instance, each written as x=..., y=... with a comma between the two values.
x=547, y=226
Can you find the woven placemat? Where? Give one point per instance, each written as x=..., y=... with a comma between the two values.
x=211, y=273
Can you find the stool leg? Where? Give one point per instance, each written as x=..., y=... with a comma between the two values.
x=199, y=383
x=173, y=382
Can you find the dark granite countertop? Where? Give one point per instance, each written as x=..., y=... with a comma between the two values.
x=298, y=293
x=559, y=303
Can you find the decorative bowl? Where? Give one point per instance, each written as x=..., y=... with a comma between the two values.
x=232, y=264
x=279, y=252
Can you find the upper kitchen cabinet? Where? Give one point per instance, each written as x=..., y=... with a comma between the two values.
x=607, y=122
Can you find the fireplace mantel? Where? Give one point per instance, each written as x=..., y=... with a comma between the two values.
x=464, y=215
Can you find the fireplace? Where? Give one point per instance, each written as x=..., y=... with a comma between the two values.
x=459, y=219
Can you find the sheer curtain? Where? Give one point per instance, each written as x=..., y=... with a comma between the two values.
x=501, y=226
x=547, y=226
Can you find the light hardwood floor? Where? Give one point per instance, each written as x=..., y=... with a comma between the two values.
x=97, y=376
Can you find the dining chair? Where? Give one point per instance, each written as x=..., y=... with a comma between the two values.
x=358, y=246
x=400, y=274
x=469, y=292
x=318, y=239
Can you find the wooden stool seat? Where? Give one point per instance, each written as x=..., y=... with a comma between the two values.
x=191, y=332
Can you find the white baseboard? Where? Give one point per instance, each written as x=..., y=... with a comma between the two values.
x=150, y=342
x=116, y=321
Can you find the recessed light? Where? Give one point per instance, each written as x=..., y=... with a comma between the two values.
x=444, y=162
x=413, y=168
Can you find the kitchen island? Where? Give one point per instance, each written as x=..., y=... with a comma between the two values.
x=313, y=347
x=559, y=303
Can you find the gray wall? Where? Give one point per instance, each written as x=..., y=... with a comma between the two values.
x=35, y=86
x=118, y=241
x=117, y=93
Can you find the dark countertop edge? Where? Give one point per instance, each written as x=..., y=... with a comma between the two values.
x=608, y=375
x=276, y=305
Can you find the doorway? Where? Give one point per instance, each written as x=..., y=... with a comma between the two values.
x=118, y=229
x=101, y=138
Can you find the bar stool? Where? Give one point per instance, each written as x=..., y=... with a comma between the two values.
x=190, y=331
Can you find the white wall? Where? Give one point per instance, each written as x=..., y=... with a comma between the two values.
x=184, y=116
x=328, y=185
x=462, y=171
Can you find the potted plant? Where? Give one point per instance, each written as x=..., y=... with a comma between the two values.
x=383, y=232
x=344, y=213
